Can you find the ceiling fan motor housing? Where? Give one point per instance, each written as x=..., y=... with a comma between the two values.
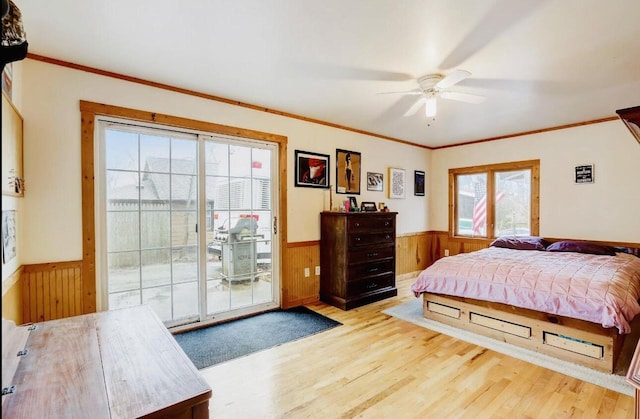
x=428, y=83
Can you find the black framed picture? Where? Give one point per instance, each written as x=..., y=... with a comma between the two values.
x=418, y=183
x=348, y=165
x=584, y=173
x=312, y=169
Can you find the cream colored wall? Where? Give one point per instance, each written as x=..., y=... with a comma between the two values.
x=607, y=209
x=9, y=202
x=52, y=155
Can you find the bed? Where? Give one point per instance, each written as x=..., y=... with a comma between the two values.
x=571, y=300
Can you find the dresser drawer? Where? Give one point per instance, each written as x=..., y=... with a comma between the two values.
x=370, y=284
x=371, y=223
x=371, y=254
x=363, y=270
x=367, y=239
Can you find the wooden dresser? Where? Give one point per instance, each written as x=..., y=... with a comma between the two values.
x=357, y=258
x=113, y=364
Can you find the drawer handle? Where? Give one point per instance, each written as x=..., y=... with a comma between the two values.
x=357, y=224
x=386, y=223
x=387, y=237
x=373, y=269
x=372, y=254
x=371, y=285
x=357, y=239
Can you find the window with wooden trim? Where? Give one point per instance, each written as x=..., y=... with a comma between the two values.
x=495, y=200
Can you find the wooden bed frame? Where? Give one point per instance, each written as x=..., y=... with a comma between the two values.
x=573, y=340
x=579, y=341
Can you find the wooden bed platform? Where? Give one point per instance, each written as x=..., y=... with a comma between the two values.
x=573, y=340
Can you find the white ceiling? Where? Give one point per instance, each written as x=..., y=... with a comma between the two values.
x=540, y=63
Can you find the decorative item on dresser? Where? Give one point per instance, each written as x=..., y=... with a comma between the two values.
x=357, y=258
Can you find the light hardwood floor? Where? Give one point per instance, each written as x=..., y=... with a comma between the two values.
x=377, y=366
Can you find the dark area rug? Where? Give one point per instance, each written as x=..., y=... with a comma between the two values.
x=219, y=343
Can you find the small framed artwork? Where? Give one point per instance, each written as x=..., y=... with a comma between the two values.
x=369, y=207
x=418, y=183
x=584, y=173
x=374, y=181
x=353, y=203
x=348, y=165
x=381, y=206
x=312, y=169
x=397, y=183
x=8, y=235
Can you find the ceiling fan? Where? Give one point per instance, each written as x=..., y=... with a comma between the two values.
x=432, y=86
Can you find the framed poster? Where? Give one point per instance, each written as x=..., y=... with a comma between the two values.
x=348, y=165
x=397, y=183
x=312, y=169
x=418, y=183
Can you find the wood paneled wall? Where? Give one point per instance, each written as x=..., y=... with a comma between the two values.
x=51, y=291
x=413, y=252
x=296, y=288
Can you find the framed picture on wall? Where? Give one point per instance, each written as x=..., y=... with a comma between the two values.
x=584, y=173
x=348, y=165
x=418, y=183
x=397, y=183
x=375, y=181
x=312, y=169
x=8, y=235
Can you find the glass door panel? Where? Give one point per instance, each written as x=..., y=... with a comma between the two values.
x=239, y=238
x=151, y=218
x=189, y=223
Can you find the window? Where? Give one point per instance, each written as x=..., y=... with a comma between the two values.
x=495, y=200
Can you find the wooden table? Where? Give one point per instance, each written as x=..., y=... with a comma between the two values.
x=113, y=364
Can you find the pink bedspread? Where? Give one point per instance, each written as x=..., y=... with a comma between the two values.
x=599, y=289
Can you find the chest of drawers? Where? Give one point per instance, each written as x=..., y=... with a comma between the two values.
x=357, y=258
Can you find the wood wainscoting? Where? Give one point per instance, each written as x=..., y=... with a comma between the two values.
x=414, y=252
x=296, y=288
x=51, y=291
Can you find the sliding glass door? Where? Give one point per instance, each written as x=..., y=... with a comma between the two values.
x=187, y=222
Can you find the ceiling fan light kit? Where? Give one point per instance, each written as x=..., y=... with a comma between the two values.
x=430, y=107
x=433, y=86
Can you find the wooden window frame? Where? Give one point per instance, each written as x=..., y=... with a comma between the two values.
x=490, y=170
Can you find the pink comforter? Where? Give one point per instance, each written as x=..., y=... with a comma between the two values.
x=599, y=289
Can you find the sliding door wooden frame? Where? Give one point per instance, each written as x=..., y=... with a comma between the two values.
x=89, y=111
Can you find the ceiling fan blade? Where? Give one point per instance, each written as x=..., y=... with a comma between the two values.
x=402, y=92
x=415, y=107
x=503, y=15
x=463, y=97
x=454, y=77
